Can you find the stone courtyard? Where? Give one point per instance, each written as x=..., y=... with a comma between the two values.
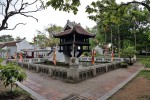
x=96, y=88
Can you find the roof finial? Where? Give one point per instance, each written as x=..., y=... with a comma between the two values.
x=68, y=21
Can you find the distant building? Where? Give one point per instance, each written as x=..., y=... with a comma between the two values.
x=8, y=49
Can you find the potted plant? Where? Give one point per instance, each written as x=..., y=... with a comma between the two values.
x=128, y=52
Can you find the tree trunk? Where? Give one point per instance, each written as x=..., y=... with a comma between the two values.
x=11, y=86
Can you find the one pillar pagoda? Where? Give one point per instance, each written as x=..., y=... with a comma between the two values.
x=74, y=40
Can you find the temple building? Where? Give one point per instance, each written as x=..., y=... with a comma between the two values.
x=74, y=40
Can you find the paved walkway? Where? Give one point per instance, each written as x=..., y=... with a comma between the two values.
x=93, y=88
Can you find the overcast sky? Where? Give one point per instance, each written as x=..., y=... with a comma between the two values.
x=48, y=16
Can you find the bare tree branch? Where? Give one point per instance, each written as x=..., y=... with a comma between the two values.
x=16, y=26
x=15, y=3
x=33, y=2
x=141, y=3
x=22, y=10
x=29, y=16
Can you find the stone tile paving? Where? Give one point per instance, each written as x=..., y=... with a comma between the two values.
x=92, y=88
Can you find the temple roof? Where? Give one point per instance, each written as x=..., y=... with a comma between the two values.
x=77, y=29
x=70, y=25
x=10, y=43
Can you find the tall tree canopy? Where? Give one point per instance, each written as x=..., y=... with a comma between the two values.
x=6, y=38
x=43, y=41
x=68, y=5
x=121, y=24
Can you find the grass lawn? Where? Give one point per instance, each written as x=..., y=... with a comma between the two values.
x=136, y=89
x=17, y=94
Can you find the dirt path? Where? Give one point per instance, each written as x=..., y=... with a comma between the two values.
x=137, y=89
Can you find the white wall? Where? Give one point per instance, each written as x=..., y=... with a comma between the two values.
x=24, y=45
x=12, y=50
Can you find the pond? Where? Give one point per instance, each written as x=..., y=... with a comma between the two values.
x=87, y=64
x=81, y=64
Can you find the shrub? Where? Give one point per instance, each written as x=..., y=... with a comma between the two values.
x=146, y=62
x=145, y=74
x=11, y=73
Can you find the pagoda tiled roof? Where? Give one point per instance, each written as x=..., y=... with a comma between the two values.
x=77, y=29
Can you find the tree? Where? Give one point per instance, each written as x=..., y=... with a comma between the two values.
x=128, y=52
x=6, y=38
x=41, y=39
x=96, y=41
x=145, y=3
x=65, y=5
x=115, y=21
x=10, y=8
x=53, y=29
x=68, y=5
x=11, y=73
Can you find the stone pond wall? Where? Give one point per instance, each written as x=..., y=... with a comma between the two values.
x=72, y=74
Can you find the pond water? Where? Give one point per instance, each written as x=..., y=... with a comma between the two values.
x=81, y=64
x=87, y=64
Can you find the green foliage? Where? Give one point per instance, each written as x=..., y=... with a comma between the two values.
x=1, y=60
x=145, y=74
x=146, y=62
x=64, y=5
x=125, y=22
x=6, y=38
x=40, y=39
x=1, y=67
x=11, y=73
x=43, y=41
x=86, y=54
x=128, y=52
x=94, y=42
x=53, y=29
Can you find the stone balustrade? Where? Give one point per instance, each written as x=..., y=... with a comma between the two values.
x=73, y=74
x=31, y=60
x=81, y=59
x=98, y=59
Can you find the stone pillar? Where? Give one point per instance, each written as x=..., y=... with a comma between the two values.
x=37, y=68
x=94, y=72
x=73, y=72
x=29, y=66
x=50, y=72
x=106, y=67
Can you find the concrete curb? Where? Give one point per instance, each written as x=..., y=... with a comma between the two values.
x=34, y=94
x=119, y=86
